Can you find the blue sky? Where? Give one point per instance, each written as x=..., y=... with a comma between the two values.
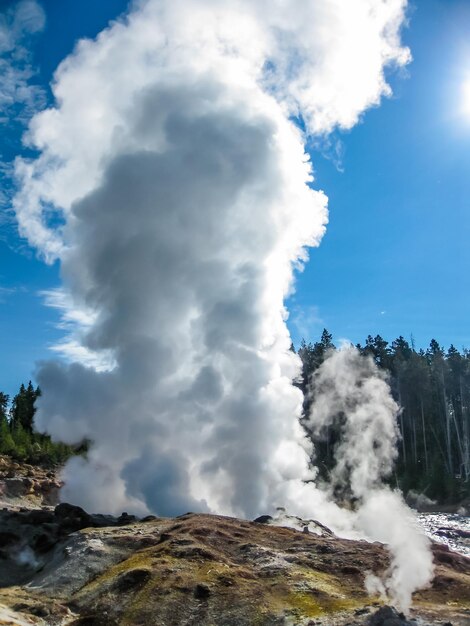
x=395, y=257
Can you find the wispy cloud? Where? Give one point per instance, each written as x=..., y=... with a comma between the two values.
x=75, y=322
x=20, y=98
x=71, y=317
x=331, y=147
x=5, y=292
x=20, y=95
x=306, y=321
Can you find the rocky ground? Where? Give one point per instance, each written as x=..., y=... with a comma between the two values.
x=62, y=566
x=27, y=486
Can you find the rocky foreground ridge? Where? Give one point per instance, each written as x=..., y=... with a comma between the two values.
x=63, y=566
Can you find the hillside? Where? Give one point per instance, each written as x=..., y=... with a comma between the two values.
x=62, y=566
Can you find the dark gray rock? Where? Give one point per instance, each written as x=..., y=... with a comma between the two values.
x=201, y=591
x=132, y=580
x=263, y=519
x=27, y=536
x=125, y=519
x=388, y=616
x=72, y=518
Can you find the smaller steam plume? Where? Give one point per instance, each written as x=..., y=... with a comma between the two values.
x=351, y=395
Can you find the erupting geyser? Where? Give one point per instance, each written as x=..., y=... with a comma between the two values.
x=174, y=160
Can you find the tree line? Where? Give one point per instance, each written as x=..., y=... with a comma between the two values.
x=433, y=388
x=18, y=438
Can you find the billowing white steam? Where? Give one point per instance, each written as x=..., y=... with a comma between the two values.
x=351, y=395
x=174, y=162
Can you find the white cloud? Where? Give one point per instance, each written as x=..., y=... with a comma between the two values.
x=306, y=321
x=75, y=321
x=71, y=316
x=19, y=97
x=5, y=292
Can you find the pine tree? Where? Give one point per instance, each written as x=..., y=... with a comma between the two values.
x=23, y=409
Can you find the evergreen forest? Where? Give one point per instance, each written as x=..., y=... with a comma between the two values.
x=433, y=388
x=18, y=438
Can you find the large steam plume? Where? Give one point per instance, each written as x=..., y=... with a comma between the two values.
x=174, y=160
